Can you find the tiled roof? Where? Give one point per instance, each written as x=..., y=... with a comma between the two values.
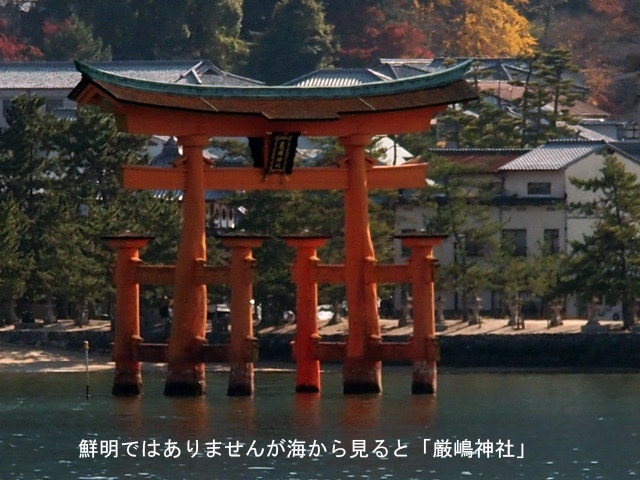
x=402, y=71
x=492, y=69
x=631, y=148
x=553, y=155
x=599, y=122
x=283, y=102
x=489, y=69
x=337, y=77
x=502, y=89
x=64, y=75
x=585, y=133
x=581, y=110
x=489, y=159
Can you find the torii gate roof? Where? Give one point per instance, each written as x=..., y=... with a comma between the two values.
x=397, y=106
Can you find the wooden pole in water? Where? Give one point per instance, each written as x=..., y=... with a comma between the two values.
x=307, y=366
x=86, y=359
x=360, y=374
x=186, y=375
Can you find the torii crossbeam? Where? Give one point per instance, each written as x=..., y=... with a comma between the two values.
x=196, y=113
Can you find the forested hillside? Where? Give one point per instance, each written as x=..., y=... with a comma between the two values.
x=276, y=40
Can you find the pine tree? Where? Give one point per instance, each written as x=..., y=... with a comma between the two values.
x=459, y=204
x=73, y=39
x=298, y=41
x=29, y=173
x=15, y=265
x=606, y=263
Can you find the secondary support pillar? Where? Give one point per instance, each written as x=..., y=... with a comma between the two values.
x=186, y=374
x=361, y=374
x=242, y=345
x=127, y=379
x=307, y=366
x=423, y=343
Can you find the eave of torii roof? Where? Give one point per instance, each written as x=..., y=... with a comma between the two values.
x=424, y=94
x=382, y=87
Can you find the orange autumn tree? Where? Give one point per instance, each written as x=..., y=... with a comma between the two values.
x=487, y=28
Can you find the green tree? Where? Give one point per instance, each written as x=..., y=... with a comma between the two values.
x=606, y=263
x=188, y=28
x=489, y=127
x=15, y=265
x=91, y=150
x=318, y=212
x=297, y=41
x=73, y=39
x=29, y=173
x=459, y=203
x=556, y=66
x=548, y=81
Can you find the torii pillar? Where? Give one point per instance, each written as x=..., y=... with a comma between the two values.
x=186, y=375
x=128, y=379
x=195, y=113
x=360, y=374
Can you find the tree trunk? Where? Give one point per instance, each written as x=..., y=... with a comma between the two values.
x=335, y=319
x=82, y=314
x=628, y=319
x=12, y=317
x=50, y=314
x=465, y=305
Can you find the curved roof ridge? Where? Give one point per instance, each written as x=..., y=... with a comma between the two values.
x=422, y=82
x=480, y=149
x=571, y=140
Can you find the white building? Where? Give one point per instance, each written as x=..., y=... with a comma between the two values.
x=535, y=189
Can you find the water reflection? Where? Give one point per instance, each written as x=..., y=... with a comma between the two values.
x=306, y=411
x=190, y=416
x=360, y=413
x=421, y=411
x=128, y=415
x=241, y=413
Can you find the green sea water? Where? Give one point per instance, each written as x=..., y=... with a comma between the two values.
x=562, y=426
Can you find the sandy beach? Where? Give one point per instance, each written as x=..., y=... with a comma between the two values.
x=17, y=358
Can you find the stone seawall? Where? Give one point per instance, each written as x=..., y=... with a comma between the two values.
x=544, y=351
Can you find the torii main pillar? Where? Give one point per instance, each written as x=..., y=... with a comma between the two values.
x=360, y=375
x=195, y=113
x=186, y=375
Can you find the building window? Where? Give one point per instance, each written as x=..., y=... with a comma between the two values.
x=53, y=104
x=539, y=188
x=552, y=241
x=516, y=240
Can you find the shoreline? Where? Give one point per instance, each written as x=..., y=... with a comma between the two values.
x=25, y=359
x=492, y=348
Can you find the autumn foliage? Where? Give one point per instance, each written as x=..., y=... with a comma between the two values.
x=12, y=49
x=381, y=38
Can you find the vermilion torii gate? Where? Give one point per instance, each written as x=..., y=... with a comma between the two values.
x=194, y=114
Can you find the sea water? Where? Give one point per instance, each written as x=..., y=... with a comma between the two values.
x=578, y=426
